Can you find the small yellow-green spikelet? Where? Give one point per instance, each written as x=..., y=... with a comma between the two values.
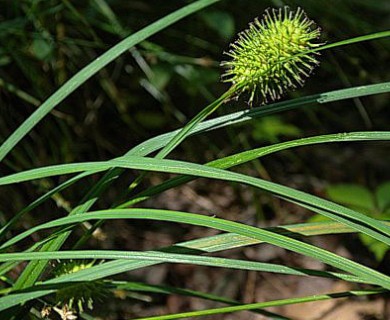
x=271, y=56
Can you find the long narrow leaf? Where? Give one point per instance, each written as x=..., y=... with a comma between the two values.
x=334, y=260
x=162, y=257
x=265, y=304
x=91, y=69
x=246, y=156
x=210, y=244
x=142, y=287
x=355, y=220
x=156, y=143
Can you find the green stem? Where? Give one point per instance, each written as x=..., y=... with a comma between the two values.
x=175, y=141
x=260, y=305
x=178, y=138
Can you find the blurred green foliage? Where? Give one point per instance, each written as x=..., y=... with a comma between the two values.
x=375, y=203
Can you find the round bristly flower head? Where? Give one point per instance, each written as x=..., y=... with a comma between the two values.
x=75, y=297
x=272, y=55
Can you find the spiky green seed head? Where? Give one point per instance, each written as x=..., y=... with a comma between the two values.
x=77, y=297
x=271, y=57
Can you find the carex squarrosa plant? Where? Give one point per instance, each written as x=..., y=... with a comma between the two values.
x=275, y=54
